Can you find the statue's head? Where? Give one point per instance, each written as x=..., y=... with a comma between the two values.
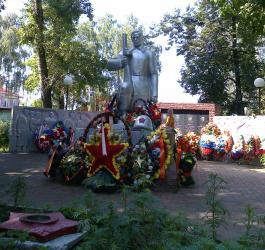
x=137, y=38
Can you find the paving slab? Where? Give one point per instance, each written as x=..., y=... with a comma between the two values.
x=245, y=185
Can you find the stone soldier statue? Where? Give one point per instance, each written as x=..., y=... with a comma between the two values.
x=140, y=73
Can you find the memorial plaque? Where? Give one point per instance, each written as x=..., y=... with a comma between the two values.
x=179, y=120
x=192, y=121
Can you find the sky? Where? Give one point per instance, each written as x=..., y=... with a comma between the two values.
x=147, y=12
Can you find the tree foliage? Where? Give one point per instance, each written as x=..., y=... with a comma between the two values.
x=12, y=54
x=61, y=46
x=50, y=28
x=251, y=14
x=220, y=61
x=2, y=5
x=47, y=27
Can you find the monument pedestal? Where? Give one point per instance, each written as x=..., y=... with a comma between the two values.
x=136, y=133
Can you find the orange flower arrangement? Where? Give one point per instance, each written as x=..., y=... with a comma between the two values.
x=211, y=129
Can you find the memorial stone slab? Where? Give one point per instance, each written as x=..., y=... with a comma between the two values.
x=43, y=227
x=25, y=121
x=241, y=125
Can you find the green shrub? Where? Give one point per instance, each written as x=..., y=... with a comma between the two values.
x=4, y=212
x=142, y=225
x=4, y=135
x=17, y=190
x=262, y=160
x=216, y=213
x=37, y=103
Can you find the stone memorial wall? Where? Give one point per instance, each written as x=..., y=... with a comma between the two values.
x=25, y=121
x=189, y=122
x=242, y=125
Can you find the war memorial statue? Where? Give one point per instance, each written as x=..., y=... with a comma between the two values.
x=140, y=74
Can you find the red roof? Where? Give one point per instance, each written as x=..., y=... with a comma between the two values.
x=8, y=93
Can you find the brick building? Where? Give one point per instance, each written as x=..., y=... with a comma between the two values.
x=8, y=99
x=190, y=116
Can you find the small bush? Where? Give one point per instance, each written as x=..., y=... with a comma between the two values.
x=17, y=189
x=4, y=135
x=4, y=212
x=216, y=213
x=262, y=160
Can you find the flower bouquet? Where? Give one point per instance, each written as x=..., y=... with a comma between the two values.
x=74, y=165
x=251, y=148
x=193, y=141
x=59, y=132
x=160, y=151
x=145, y=164
x=208, y=137
x=262, y=152
x=185, y=169
x=185, y=157
x=211, y=129
x=207, y=144
x=237, y=151
x=228, y=141
x=150, y=159
x=154, y=113
x=219, y=149
x=44, y=136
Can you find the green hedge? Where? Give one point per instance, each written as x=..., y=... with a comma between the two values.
x=4, y=135
x=5, y=115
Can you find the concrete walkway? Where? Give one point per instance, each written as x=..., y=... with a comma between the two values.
x=245, y=185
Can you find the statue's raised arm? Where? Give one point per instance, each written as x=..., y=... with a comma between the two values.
x=140, y=73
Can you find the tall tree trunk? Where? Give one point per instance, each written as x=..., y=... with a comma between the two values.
x=239, y=105
x=46, y=89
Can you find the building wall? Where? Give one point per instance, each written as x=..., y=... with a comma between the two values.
x=211, y=108
x=8, y=99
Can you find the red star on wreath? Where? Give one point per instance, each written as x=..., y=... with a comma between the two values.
x=107, y=161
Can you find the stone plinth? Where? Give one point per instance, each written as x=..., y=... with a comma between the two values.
x=136, y=133
x=55, y=227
